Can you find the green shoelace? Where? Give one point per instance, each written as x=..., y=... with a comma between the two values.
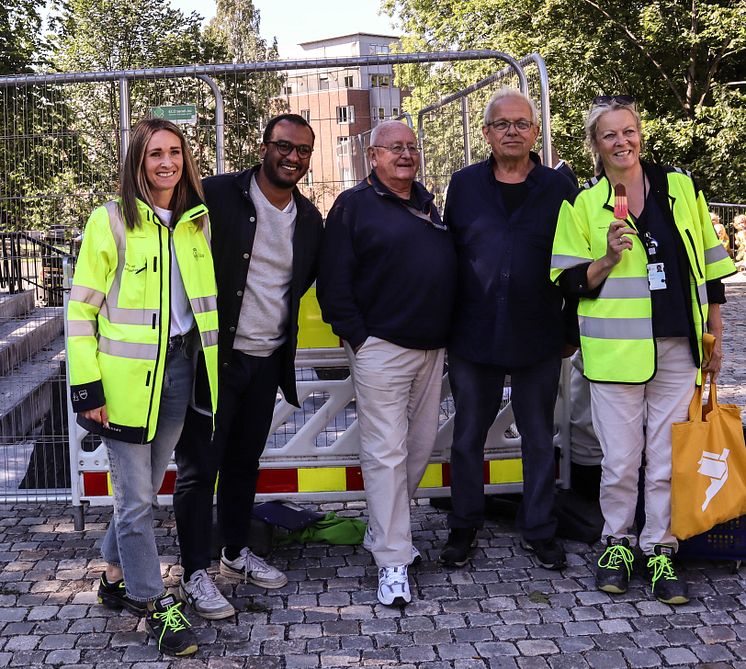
x=173, y=619
x=616, y=555
x=661, y=565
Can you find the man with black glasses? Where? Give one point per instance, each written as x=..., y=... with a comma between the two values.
x=265, y=243
x=508, y=320
x=386, y=285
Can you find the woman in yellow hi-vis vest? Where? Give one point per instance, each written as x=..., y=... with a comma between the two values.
x=637, y=247
x=143, y=303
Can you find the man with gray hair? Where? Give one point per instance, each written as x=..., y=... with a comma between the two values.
x=508, y=321
x=386, y=285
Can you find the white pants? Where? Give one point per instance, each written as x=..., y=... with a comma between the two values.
x=398, y=400
x=620, y=412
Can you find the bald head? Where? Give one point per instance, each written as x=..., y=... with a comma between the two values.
x=380, y=134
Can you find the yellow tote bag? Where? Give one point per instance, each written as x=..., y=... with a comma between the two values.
x=708, y=484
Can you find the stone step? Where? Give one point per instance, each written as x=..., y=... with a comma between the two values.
x=21, y=338
x=16, y=305
x=26, y=393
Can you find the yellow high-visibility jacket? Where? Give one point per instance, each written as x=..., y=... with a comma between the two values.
x=118, y=315
x=616, y=328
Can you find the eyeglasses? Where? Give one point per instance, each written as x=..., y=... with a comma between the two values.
x=286, y=148
x=501, y=125
x=606, y=100
x=398, y=149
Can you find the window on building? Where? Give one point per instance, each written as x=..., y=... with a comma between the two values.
x=346, y=114
x=381, y=113
x=306, y=114
x=380, y=80
x=309, y=178
x=394, y=112
x=289, y=89
x=343, y=146
x=349, y=81
x=379, y=48
x=323, y=82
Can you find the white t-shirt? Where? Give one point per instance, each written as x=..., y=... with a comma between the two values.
x=182, y=319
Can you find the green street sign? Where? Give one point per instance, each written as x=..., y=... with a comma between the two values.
x=176, y=113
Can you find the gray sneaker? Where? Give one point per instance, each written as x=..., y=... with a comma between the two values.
x=204, y=597
x=250, y=568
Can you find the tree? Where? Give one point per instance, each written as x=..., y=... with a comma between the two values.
x=20, y=29
x=676, y=57
x=250, y=97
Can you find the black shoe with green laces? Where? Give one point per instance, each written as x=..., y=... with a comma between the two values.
x=114, y=596
x=615, y=566
x=667, y=586
x=170, y=628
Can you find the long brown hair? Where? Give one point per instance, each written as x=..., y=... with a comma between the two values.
x=133, y=184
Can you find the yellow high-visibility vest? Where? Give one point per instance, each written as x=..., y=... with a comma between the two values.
x=616, y=328
x=119, y=314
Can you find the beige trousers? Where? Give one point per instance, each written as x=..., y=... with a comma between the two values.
x=398, y=400
x=634, y=419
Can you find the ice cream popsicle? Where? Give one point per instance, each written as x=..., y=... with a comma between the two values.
x=620, y=202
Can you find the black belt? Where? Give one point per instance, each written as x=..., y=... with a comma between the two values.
x=177, y=342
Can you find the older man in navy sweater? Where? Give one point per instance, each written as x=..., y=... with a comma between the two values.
x=386, y=284
x=508, y=320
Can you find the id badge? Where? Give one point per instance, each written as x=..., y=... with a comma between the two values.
x=656, y=276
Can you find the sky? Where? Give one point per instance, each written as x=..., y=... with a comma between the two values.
x=295, y=21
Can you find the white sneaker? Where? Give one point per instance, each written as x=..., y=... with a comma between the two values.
x=393, y=586
x=368, y=546
x=204, y=597
x=250, y=568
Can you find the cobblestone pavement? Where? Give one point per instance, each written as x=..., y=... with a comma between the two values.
x=502, y=610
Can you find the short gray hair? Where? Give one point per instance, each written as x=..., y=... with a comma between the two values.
x=383, y=128
x=504, y=93
x=591, y=125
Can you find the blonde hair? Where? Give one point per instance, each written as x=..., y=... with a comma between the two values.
x=591, y=125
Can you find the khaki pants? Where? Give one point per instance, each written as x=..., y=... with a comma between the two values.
x=398, y=400
x=620, y=412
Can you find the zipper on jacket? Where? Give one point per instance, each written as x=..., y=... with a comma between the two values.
x=155, y=263
x=160, y=227
x=147, y=379
x=694, y=253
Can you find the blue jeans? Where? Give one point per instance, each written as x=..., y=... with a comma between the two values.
x=137, y=472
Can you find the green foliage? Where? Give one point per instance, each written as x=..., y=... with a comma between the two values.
x=676, y=57
x=20, y=41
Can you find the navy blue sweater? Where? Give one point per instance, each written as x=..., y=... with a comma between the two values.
x=508, y=312
x=386, y=271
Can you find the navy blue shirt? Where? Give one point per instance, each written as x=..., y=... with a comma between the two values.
x=388, y=268
x=508, y=312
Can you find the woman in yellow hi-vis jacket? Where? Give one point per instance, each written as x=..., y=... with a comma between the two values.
x=637, y=247
x=143, y=302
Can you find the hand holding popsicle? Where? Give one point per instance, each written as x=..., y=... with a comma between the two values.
x=620, y=202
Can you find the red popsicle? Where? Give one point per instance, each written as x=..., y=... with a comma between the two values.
x=620, y=202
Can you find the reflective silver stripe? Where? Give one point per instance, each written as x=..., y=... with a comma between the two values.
x=206, y=232
x=625, y=287
x=702, y=293
x=122, y=316
x=87, y=295
x=616, y=328
x=81, y=328
x=565, y=262
x=202, y=304
x=715, y=254
x=210, y=338
x=116, y=224
x=125, y=349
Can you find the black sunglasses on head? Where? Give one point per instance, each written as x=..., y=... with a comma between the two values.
x=604, y=100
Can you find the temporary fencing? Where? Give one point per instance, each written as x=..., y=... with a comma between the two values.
x=63, y=139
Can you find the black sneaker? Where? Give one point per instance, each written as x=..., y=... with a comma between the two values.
x=550, y=553
x=114, y=596
x=458, y=546
x=615, y=566
x=170, y=628
x=667, y=586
